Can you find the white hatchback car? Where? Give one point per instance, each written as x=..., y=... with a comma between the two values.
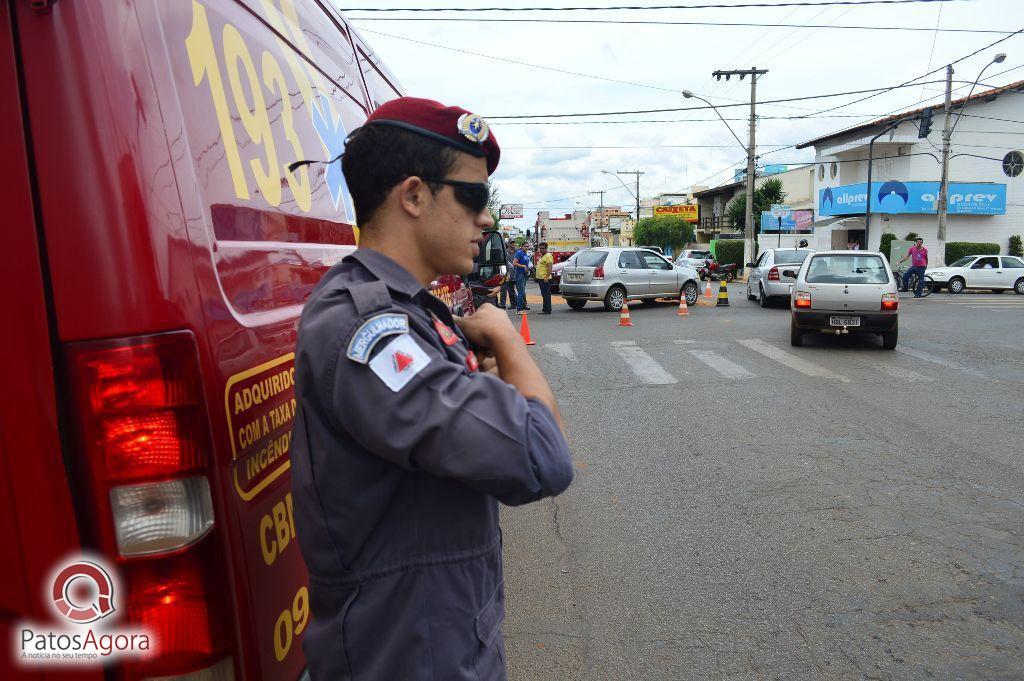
x=997, y=273
x=845, y=292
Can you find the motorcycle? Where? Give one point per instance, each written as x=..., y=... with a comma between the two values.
x=714, y=271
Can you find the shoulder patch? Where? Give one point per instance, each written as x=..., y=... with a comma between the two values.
x=371, y=331
x=398, y=362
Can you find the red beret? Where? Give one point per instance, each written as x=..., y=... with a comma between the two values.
x=449, y=125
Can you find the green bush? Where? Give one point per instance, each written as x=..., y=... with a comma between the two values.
x=958, y=249
x=886, y=244
x=729, y=251
x=1015, y=246
x=911, y=236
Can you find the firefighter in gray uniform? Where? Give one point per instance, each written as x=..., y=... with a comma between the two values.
x=412, y=425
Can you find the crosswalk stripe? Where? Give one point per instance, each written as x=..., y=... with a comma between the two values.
x=642, y=364
x=783, y=357
x=722, y=365
x=935, y=359
x=563, y=349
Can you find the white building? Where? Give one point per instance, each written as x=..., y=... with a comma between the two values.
x=986, y=190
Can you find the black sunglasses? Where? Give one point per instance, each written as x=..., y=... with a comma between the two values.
x=472, y=195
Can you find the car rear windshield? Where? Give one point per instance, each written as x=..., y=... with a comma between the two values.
x=591, y=258
x=700, y=254
x=790, y=257
x=847, y=269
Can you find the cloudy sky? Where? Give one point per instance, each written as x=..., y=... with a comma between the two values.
x=599, y=68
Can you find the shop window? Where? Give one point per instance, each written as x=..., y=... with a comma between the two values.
x=1013, y=164
x=833, y=170
x=821, y=172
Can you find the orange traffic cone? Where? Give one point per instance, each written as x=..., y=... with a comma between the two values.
x=524, y=330
x=683, y=310
x=624, y=315
x=707, y=291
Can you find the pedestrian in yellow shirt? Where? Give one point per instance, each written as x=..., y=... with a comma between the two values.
x=544, y=265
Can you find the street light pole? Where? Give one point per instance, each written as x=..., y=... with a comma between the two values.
x=947, y=136
x=637, y=195
x=615, y=239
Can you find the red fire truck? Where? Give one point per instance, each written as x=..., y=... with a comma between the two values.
x=159, y=256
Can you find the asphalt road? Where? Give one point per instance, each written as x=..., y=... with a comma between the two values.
x=744, y=509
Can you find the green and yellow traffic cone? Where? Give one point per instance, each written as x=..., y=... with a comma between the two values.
x=723, y=295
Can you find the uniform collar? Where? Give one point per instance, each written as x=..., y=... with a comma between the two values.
x=387, y=270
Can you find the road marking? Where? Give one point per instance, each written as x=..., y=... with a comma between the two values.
x=642, y=364
x=684, y=342
x=906, y=374
x=721, y=364
x=563, y=349
x=935, y=359
x=783, y=357
x=986, y=301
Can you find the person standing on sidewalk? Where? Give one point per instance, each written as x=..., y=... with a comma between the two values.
x=521, y=263
x=918, y=255
x=508, y=284
x=544, y=264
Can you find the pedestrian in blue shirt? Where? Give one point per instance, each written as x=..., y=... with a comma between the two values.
x=521, y=262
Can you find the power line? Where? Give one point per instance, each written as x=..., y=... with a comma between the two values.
x=641, y=22
x=680, y=120
x=857, y=101
x=523, y=63
x=700, y=108
x=577, y=8
x=652, y=146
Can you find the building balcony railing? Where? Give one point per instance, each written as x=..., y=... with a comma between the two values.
x=715, y=223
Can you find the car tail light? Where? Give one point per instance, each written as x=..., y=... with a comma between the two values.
x=890, y=301
x=144, y=435
x=773, y=274
x=598, y=272
x=801, y=299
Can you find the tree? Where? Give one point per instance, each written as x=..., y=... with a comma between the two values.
x=770, y=192
x=494, y=205
x=669, y=232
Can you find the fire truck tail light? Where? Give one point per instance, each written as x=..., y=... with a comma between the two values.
x=180, y=600
x=160, y=442
x=222, y=671
x=144, y=459
x=161, y=516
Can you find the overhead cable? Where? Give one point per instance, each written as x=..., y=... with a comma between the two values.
x=641, y=22
x=577, y=8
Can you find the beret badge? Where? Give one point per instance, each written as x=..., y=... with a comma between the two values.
x=473, y=128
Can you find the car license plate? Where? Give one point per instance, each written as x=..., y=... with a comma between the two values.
x=844, y=321
x=574, y=277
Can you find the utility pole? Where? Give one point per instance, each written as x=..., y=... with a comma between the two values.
x=638, y=174
x=947, y=133
x=748, y=227
x=615, y=238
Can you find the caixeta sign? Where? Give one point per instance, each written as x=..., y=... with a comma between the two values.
x=688, y=213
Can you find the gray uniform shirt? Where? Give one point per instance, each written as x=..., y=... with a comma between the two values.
x=402, y=450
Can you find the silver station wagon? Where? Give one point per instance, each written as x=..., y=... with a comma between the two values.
x=845, y=292
x=612, y=275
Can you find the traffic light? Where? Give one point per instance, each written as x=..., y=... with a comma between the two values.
x=925, y=127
